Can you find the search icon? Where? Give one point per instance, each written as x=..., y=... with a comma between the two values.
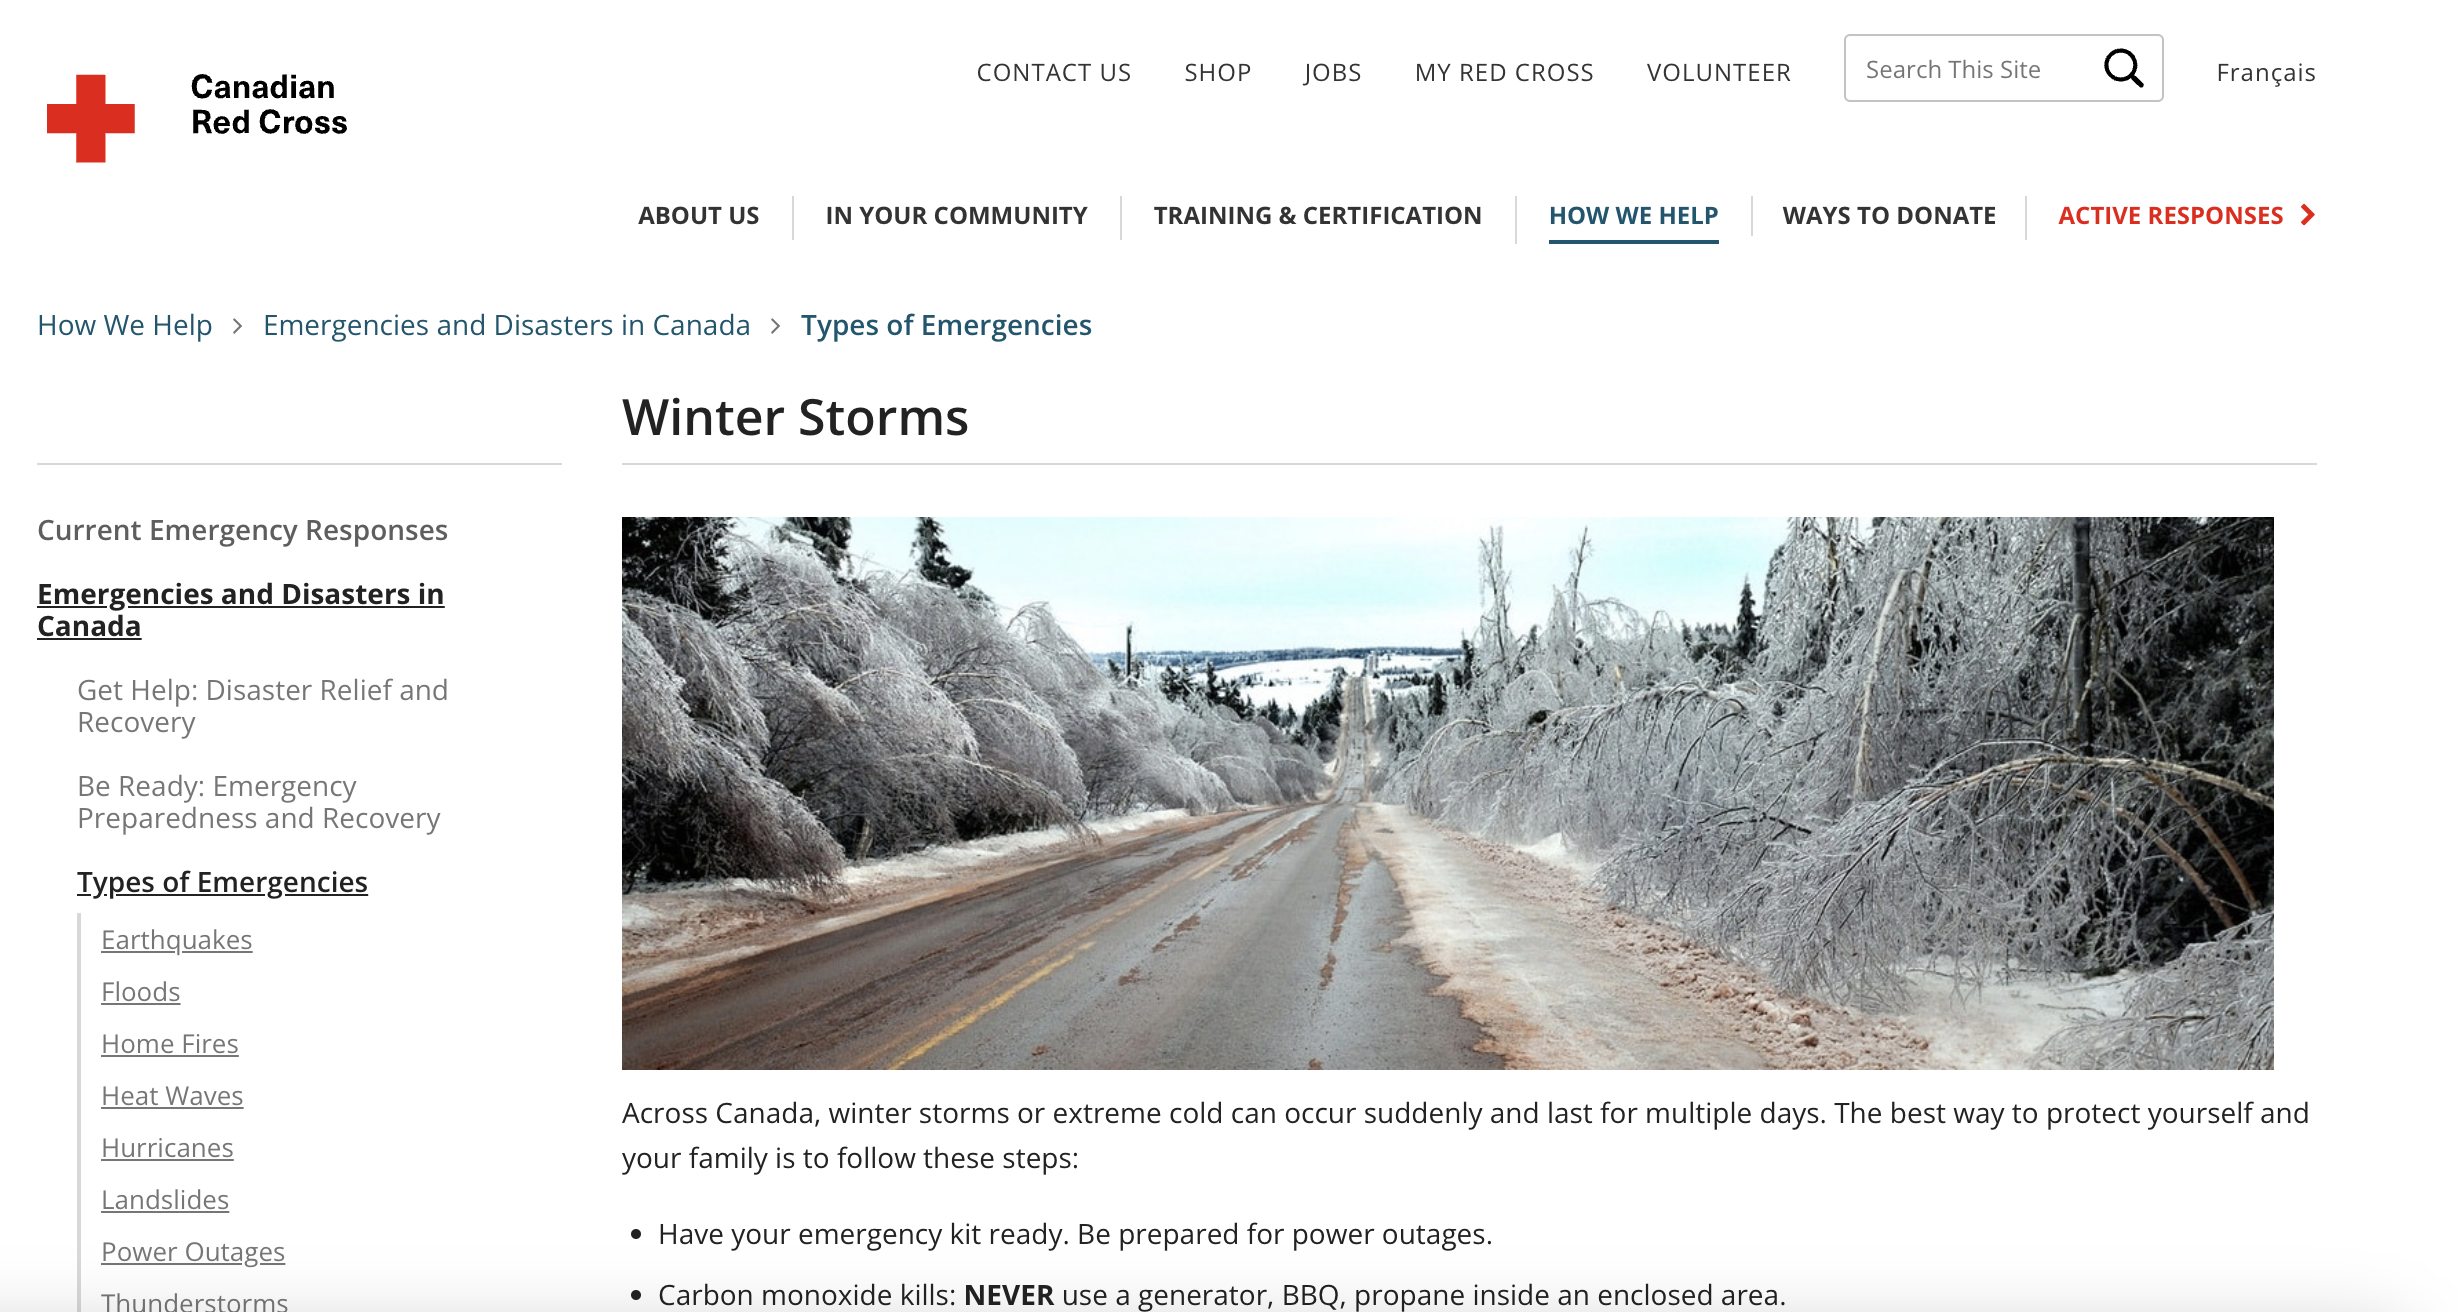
x=2132, y=66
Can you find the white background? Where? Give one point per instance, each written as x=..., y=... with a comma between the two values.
x=434, y=1114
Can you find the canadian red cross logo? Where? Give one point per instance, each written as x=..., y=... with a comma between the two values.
x=92, y=119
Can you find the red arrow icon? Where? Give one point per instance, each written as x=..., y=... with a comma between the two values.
x=2308, y=214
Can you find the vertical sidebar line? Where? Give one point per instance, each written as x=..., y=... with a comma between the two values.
x=77, y=1147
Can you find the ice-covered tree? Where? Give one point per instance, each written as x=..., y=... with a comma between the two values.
x=1958, y=738
x=831, y=537
x=826, y=715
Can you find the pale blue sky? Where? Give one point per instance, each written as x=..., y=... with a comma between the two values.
x=1252, y=583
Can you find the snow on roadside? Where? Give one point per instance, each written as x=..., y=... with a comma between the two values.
x=679, y=923
x=2001, y=1025
x=1554, y=850
x=1562, y=981
x=954, y=859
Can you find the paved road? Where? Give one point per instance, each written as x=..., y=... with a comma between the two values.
x=1260, y=939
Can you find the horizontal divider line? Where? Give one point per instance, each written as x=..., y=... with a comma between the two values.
x=303, y=464
x=1470, y=464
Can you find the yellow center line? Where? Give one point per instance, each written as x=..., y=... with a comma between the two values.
x=986, y=1008
x=1039, y=972
x=1036, y=967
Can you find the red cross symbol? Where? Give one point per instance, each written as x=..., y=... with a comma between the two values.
x=91, y=119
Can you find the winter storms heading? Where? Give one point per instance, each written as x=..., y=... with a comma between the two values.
x=664, y=417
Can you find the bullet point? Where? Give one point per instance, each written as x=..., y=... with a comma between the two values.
x=635, y=1235
x=635, y=1295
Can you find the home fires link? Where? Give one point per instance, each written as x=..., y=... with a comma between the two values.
x=272, y=122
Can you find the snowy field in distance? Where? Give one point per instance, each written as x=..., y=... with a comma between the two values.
x=1296, y=684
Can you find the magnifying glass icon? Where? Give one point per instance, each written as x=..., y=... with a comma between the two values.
x=2132, y=67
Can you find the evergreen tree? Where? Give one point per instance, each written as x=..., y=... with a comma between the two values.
x=679, y=559
x=831, y=537
x=1434, y=703
x=1745, y=625
x=1320, y=725
x=930, y=556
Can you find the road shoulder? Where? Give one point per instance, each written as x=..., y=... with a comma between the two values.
x=1562, y=981
x=675, y=932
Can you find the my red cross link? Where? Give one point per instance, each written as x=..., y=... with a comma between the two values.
x=92, y=119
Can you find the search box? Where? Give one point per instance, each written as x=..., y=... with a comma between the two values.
x=2118, y=67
